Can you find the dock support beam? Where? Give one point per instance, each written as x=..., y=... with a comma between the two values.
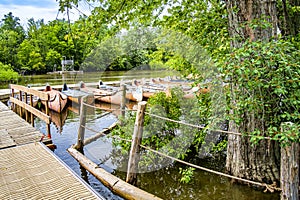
x=134, y=156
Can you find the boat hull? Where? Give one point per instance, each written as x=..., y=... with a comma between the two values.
x=75, y=96
x=57, y=100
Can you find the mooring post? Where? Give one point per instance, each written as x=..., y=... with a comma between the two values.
x=123, y=100
x=134, y=155
x=26, y=111
x=289, y=168
x=81, y=130
x=13, y=106
x=47, y=113
x=31, y=114
x=20, y=107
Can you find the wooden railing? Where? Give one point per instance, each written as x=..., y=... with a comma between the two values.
x=19, y=96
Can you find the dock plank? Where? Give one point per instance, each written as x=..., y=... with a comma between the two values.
x=16, y=131
x=31, y=172
x=5, y=139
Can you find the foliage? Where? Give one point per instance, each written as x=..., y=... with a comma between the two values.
x=267, y=74
x=187, y=174
x=43, y=46
x=7, y=73
x=169, y=137
x=124, y=51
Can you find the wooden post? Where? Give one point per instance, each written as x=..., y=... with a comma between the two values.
x=123, y=100
x=31, y=114
x=13, y=95
x=20, y=108
x=134, y=155
x=289, y=169
x=26, y=111
x=47, y=113
x=81, y=130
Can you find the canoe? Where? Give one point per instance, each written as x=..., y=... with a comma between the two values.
x=75, y=96
x=194, y=92
x=57, y=100
x=113, y=95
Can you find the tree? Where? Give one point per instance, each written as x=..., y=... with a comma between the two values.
x=8, y=49
x=9, y=22
x=257, y=67
x=11, y=36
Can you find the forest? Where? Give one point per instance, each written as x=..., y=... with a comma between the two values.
x=251, y=46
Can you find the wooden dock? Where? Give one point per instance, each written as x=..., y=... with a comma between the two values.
x=16, y=131
x=29, y=170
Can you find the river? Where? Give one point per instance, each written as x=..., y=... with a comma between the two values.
x=164, y=182
x=58, y=79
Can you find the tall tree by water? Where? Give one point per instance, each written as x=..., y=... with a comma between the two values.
x=11, y=36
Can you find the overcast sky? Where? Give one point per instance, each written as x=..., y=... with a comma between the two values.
x=39, y=9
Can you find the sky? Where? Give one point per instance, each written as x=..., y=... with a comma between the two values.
x=39, y=9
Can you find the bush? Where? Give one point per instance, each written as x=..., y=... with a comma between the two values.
x=7, y=74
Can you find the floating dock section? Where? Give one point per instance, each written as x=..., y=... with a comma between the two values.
x=29, y=170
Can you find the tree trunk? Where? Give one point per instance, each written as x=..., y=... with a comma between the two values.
x=289, y=20
x=259, y=162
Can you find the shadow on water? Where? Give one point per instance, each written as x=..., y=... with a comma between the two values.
x=164, y=183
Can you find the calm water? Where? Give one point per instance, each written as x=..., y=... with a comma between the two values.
x=163, y=183
x=57, y=79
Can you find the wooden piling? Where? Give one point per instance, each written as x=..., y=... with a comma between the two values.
x=13, y=106
x=26, y=111
x=81, y=130
x=289, y=169
x=47, y=113
x=20, y=108
x=123, y=100
x=134, y=156
x=31, y=114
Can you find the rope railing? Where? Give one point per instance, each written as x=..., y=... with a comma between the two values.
x=136, y=145
x=202, y=127
x=102, y=115
x=268, y=187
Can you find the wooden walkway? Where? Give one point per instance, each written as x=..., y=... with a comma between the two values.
x=29, y=170
x=16, y=131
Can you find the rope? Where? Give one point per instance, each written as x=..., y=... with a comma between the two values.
x=102, y=115
x=100, y=133
x=118, y=138
x=268, y=187
x=90, y=129
x=201, y=127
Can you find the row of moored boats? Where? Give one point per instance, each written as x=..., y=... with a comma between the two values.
x=137, y=91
